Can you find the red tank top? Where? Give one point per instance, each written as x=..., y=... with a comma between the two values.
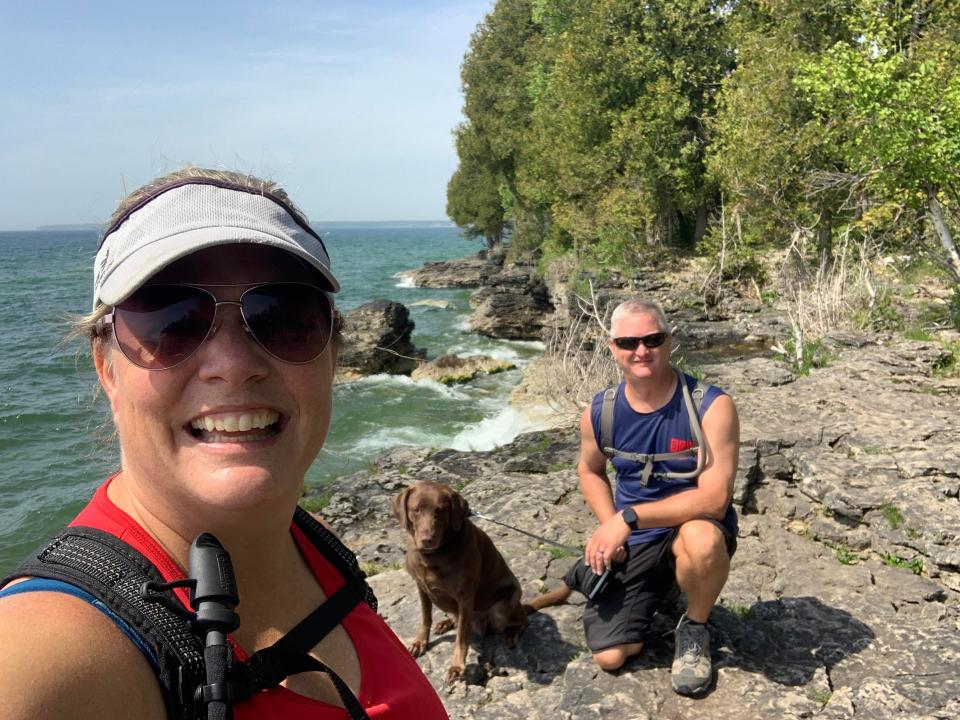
x=392, y=686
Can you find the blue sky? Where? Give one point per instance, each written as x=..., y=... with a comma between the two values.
x=348, y=105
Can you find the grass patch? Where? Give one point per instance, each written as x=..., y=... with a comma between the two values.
x=883, y=316
x=819, y=695
x=558, y=553
x=949, y=365
x=813, y=354
x=684, y=366
x=918, y=333
x=316, y=503
x=769, y=297
x=892, y=515
x=740, y=609
x=914, y=565
x=374, y=568
x=844, y=554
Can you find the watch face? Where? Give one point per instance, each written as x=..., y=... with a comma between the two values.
x=630, y=517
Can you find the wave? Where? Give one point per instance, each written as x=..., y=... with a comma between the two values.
x=404, y=279
x=494, y=431
x=372, y=444
x=404, y=383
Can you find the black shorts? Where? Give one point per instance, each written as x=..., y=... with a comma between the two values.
x=624, y=611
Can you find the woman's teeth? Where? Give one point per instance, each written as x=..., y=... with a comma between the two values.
x=239, y=422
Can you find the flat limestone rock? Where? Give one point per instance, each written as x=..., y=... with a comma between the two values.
x=843, y=600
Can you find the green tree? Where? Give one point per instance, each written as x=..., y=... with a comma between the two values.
x=618, y=126
x=473, y=193
x=769, y=152
x=497, y=106
x=889, y=97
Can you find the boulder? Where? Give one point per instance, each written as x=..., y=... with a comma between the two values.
x=376, y=339
x=514, y=305
x=450, y=369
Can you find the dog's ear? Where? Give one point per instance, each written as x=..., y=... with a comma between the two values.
x=400, y=507
x=459, y=511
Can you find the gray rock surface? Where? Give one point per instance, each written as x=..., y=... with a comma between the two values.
x=376, y=339
x=844, y=596
x=468, y=272
x=512, y=305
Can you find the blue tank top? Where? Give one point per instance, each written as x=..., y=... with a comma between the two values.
x=661, y=431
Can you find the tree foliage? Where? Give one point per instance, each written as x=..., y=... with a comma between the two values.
x=611, y=127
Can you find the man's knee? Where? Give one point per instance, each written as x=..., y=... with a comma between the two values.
x=699, y=543
x=612, y=658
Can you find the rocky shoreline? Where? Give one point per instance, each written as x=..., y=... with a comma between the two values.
x=844, y=596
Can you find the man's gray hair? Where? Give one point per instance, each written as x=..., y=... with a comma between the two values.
x=639, y=307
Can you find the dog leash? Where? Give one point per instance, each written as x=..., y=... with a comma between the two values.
x=568, y=548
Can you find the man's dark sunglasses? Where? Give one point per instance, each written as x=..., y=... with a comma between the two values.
x=653, y=340
x=160, y=326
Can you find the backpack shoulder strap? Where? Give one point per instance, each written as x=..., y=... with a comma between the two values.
x=606, y=420
x=114, y=573
x=335, y=551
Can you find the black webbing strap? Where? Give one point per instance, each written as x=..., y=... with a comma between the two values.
x=290, y=654
x=114, y=573
x=335, y=551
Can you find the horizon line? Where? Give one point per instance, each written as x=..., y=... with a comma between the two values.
x=84, y=227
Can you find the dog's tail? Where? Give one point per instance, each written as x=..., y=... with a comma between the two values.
x=554, y=597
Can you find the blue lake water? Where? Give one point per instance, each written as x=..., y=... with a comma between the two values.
x=55, y=439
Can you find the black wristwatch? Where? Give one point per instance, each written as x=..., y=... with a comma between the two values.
x=629, y=516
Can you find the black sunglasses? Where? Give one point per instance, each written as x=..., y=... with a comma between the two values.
x=160, y=326
x=653, y=340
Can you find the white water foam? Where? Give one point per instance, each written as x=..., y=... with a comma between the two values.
x=384, y=380
x=373, y=444
x=404, y=279
x=498, y=352
x=497, y=430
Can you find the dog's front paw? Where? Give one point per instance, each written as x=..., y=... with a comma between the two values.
x=418, y=647
x=454, y=673
x=443, y=626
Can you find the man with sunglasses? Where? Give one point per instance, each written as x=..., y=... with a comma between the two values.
x=670, y=520
x=214, y=337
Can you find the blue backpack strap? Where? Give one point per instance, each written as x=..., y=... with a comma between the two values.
x=35, y=584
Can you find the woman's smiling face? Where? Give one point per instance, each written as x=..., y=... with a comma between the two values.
x=232, y=427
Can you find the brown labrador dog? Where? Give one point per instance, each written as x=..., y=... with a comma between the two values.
x=458, y=569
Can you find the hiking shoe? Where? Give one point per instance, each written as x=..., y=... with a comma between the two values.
x=691, y=673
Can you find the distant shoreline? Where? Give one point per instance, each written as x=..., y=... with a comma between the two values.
x=320, y=226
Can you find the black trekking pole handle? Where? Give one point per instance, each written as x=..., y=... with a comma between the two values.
x=214, y=596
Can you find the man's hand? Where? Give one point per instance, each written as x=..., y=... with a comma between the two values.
x=606, y=545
